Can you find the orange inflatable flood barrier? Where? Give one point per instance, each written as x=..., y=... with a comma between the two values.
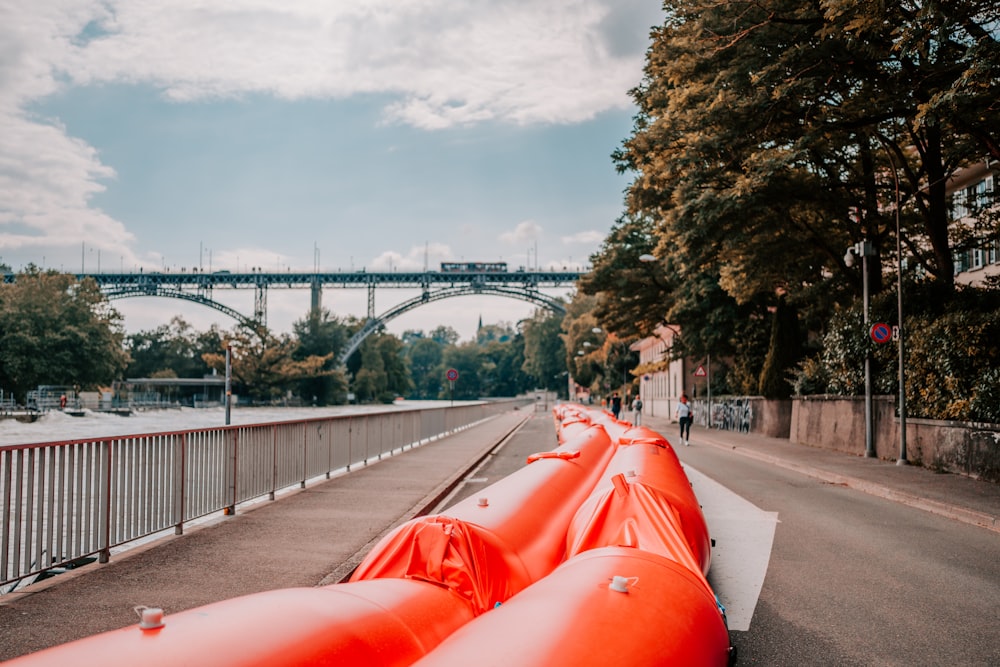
x=386, y=623
x=610, y=606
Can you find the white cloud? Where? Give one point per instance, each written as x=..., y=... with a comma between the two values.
x=527, y=230
x=417, y=259
x=46, y=182
x=448, y=63
x=589, y=237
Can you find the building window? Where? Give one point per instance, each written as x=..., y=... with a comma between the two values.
x=961, y=262
x=958, y=207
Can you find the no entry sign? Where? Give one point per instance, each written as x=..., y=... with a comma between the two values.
x=880, y=332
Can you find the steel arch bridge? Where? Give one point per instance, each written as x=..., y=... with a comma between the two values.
x=197, y=286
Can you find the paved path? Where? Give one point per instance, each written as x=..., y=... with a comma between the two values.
x=318, y=535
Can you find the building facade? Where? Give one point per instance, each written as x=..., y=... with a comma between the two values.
x=663, y=379
x=973, y=194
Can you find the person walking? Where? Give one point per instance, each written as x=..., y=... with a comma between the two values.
x=616, y=404
x=684, y=417
x=637, y=411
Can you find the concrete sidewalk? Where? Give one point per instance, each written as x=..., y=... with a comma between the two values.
x=954, y=496
x=307, y=537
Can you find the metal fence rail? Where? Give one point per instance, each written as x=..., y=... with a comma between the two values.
x=63, y=501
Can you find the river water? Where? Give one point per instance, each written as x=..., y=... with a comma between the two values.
x=55, y=426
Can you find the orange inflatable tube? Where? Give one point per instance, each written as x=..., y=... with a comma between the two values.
x=643, y=458
x=388, y=623
x=609, y=606
x=491, y=546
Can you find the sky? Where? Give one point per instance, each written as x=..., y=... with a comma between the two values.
x=301, y=134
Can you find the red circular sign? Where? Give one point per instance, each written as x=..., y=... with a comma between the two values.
x=880, y=332
x=452, y=374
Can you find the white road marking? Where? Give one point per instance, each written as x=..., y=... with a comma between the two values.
x=744, y=535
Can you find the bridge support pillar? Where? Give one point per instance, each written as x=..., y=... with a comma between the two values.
x=316, y=297
x=260, y=304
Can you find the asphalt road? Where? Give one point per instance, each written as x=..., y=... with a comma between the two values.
x=858, y=580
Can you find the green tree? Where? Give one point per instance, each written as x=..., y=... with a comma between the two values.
x=444, y=335
x=263, y=366
x=320, y=335
x=174, y=348
x=544, y=351
x=583, y=347
x=783, y=353
x=500, y=332
x=398, y=381
x=511, y=379
x=55, y=330
x=466, y=359
x=633, y=295
x=425, y=362
x=382, y=374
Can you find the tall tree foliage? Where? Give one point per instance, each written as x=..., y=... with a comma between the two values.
x=321, y=335
x=771, y=134
x=263, y=366
x=171, y=350
x=55, y=330
x=425, y=357
x=383, y=373
x=544, y=351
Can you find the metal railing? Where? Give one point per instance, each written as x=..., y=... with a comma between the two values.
x=63, y=501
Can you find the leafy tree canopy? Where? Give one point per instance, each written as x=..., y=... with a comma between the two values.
x=771, y=135
x=55, y=330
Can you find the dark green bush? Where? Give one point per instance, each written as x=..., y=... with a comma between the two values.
x=952, y=353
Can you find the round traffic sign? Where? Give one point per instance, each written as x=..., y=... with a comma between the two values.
x=452, y=374
x=880, y=332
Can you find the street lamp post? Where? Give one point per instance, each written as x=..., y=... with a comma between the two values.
x=229, y=381
x=899, y=311
x=865, y=250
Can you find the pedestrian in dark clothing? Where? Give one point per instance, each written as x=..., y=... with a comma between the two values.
x=616, y=404
x=685, y=416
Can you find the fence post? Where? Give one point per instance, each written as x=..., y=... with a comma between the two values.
x=231, y=488
x=104, y=529
x=180, y=487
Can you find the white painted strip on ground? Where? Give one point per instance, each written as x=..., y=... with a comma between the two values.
x=743, y=535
